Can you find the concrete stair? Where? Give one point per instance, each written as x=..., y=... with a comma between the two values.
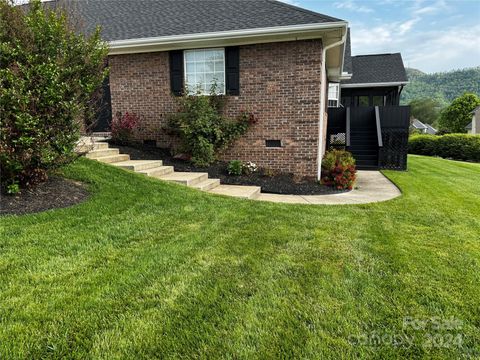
x=100, y=151
x=113, y=159
x=207, y=184
x=241, y=191
x=139, y=165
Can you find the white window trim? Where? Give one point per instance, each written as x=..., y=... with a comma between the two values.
x=224, y=89
x=337, y=94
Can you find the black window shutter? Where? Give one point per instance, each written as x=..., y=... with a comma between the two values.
x=176, y=72
x=232, y=70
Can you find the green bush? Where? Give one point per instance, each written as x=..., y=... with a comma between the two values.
x=48, y=74
x=423, y=144
x=338, y=169
x=451, y=146
x=203, y=129
x=235, y=167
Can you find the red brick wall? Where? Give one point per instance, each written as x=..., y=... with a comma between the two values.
x=279, y=82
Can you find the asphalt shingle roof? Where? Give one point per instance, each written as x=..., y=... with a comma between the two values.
x=347, y=59
x=378, y=68
x=131, y=19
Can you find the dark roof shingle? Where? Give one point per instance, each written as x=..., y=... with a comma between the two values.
x=378, y=68
x=132, y=19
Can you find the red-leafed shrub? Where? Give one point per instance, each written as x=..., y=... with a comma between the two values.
x=123, y=126
x=338, y=169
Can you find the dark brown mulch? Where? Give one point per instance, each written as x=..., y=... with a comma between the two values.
x=282, y=183
x=55, y=193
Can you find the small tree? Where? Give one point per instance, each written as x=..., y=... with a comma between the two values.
x=48, y=74
x=425, y=110
x=458, y=114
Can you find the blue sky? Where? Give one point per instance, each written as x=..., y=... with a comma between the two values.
x=432, y=35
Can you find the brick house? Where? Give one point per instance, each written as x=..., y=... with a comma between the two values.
x=267, y=57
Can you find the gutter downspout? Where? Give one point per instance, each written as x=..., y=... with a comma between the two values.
x=322, y=103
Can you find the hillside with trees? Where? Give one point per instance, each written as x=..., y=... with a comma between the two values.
x=442, y=87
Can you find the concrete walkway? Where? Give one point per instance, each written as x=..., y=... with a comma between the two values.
x=371, y=186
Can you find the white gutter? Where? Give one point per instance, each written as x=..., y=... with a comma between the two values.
x=379, y=84
x=321, y=121
x=222, y=35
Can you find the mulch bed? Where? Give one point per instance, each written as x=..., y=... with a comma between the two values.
x=277, y=184
x=55, y=193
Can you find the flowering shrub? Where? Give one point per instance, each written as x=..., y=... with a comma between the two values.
x=203, y=129
x=249, y=167
x=235, y=167
x=338, y=169
x=123, y=127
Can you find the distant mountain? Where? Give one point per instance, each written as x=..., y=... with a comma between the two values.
x=443, y=87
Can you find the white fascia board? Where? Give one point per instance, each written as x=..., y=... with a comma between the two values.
x=235, y=37
x=384, y=84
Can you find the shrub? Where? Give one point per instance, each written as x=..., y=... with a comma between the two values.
x=123, y=126
x=48, y=73
x=235, y=167
x=202, y=128
x=452, y=146
x=338, y=169
x=250, y=167
x=423, y=144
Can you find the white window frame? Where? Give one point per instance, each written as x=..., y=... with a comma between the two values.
x=333, y=100
x=221, y=90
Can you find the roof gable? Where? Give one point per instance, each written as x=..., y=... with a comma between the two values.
x=378, y=68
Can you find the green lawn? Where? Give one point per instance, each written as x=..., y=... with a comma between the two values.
x=149, y=269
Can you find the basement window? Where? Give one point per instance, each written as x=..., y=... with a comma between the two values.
x=150, y=143
x=273, y=143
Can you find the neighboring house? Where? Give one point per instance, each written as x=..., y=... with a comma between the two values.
x=474, y=127
x=268, y=57
x=423, y=128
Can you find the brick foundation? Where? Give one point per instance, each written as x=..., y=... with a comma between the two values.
x=280, y=83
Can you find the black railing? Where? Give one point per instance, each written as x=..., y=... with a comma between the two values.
x=389, y=127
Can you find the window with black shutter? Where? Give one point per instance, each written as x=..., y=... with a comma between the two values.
x=176, y=72
x=232, y=70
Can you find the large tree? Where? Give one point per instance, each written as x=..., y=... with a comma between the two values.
x=49, y=71
x=425, y=110
x=458, y=114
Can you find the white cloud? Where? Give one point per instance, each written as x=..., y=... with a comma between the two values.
x=433, y=8
x=352, y=6
x=431, y=51
x=407, y=25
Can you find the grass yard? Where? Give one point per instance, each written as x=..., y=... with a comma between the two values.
x=148, y=269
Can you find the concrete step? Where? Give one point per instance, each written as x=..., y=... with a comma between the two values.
x=94, y=154
x=114, y=158
x=100, y=145
x=241, y=191
x=138, y=165
x=208, y=184
x=185, y=178
x=81, y=148
x=157, y=171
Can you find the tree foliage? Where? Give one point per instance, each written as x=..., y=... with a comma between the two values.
x=48, y=74
x=442, y=87
x=425, y=110
x=458, y=114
